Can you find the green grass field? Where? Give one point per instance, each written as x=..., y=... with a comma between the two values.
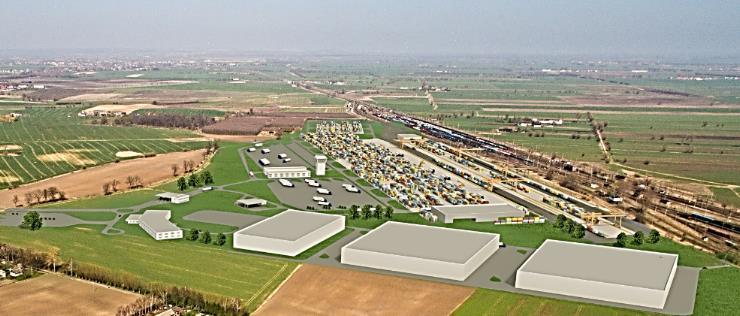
x=489, y=302
x=207, y=268
x=726, y=196
x=121, y=200
x=717, y=293
x=42, y=133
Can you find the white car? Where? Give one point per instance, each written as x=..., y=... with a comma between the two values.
x=286, y=183
x=265, y=150
x=258, y=145
x=323, y=191
x=209, y=188
x=314, y=184
x=251, y=149
x=286, y=160
x=325, y=203
x=352, y=189
x=319, y=199
x=282, y=156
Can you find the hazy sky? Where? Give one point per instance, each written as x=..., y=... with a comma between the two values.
x=634, y=27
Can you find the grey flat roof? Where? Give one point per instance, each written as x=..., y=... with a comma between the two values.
x=422, y=241
x=158, y=221
x=170, y=195
x=251, y=201
x=285, y=169
x=289, y=225
x=496, y=210
x=606, y=264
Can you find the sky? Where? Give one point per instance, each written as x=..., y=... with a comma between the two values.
x=536, y=27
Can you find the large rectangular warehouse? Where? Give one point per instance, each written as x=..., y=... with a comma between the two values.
x=419, y=249
x=480, y=212
x=287, y=172
x=289, y=233
x=604, y=273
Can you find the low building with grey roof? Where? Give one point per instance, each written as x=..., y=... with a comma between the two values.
x=478, y=212
x=620, y=275
x=289, y=233
x=420, y=249
x=157, y=224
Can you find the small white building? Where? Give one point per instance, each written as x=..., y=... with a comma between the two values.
x=287, y=172
x=3, y=274
x=157, y=224
x=174, y=198
x=250, y=203
x=320, y=165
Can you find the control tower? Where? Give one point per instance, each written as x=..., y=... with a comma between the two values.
x=320, y=165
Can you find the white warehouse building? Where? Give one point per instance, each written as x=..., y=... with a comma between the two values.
x=287, y=172
x=289, y=233
x=612, y=274
x=420, y=249
x=157, y=224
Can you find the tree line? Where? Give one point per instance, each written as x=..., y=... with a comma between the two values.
x=168, y=120
x=155, y=295
x=195, y=180
x=45, y=195
x=367, y=211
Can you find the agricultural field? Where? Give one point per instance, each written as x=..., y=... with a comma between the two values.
x=207, y=268
x=490, y=302
x=61, y=295
x=715, y=294
x=47, y=142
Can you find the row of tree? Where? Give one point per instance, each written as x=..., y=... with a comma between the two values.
x=569, y=226
x=195, y=180
x=368, y=211
x=45, y=195
x=157, y=295
x=165, y=120
x=638, y=238
x=132, y=182
x=205, y=237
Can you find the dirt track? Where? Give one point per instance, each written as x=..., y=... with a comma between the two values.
x=316, y=290
x=89, y=182
x=57, y=295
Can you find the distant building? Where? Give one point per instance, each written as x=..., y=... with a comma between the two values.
x=499, y=212
x=174, y=198
x=157, y=224
x=286, y=172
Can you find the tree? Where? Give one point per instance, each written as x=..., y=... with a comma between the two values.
x=206, y=177
x=106, y=188
x=354, y=212
x=221, y=239
x=388, y=212
x=378, y=212
x=570, y=226
x=194, y=234
x=366, y=213
x=182, y=184
x=174, y=169
x=206, y=238
x=638, y=238
x=193, y=180
x=15, y=200
x=579, y=232
x=32, y=221
x=621, y=240
x=653, y=236
x=560, y=221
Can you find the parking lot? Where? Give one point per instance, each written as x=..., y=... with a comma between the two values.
x=300, y=195
x=272, y=156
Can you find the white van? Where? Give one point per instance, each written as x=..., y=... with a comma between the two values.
x=286, y=183
x=352, y=189
x=319, y=199
x=265, y=150
x=323, y=191
x=282, y=156
x=264, y=162
x=251, y=149
x=325, y=203
x=314, y=184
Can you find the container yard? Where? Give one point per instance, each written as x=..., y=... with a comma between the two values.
x=399, y=174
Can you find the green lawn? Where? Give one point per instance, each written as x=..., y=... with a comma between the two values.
x=131, y=198
x=726, y=196
x=93, y=216
x=489, y=302
x=256, y=188
x=717, y=293
x=687, y=256
x=183, y=263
